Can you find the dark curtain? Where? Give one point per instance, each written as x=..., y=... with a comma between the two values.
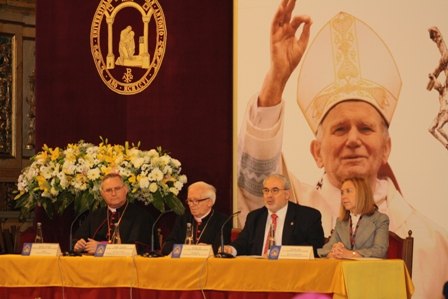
x=187, y=109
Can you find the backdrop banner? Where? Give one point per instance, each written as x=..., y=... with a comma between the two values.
x=412, y=34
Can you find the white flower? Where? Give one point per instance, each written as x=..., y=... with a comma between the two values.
x=143, y=182
x=31, y=172
x=152, y=153
x=156, y=175
x=167, y=169
x=68, y=167
x=92, y=151
x=137, y=162
x=153, y=187
x=45, y=171
x=80, y=185
x=165, y=160
x=75, y=173
x=93, y=174
x=178, y=185
x=22, y=184
x=63, y=181
x=174, y=191
x=183, y=179
x=126, y=172
x=175, y=163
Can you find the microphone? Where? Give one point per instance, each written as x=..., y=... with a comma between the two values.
x=223, y=254
x=71, y=252
x=154, y=253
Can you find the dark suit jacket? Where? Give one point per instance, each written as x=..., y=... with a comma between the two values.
x=211, y=234
x=302, y=226
x=135, y=226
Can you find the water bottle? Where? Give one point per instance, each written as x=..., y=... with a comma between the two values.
x=189, y=234
x=116, y=238
x=39, y=238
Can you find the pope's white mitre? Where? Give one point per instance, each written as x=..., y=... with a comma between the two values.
x=347, y=60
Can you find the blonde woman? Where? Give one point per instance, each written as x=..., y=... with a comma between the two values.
x=360, y=231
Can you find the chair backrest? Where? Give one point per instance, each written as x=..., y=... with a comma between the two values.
x=401, y=249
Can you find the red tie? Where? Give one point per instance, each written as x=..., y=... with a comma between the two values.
x=274, y=227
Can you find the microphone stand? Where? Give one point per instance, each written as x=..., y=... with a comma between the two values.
x=223, y=254
x=153, y=252
x=71, y=252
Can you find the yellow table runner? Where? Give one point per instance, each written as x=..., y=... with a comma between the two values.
x=344, y=278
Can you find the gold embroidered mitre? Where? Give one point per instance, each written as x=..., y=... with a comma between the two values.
x=347, y=60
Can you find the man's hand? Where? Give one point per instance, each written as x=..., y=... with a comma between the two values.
x=80, y=245
x=286, y=51
x=88, y=246
x=91, y=246
x=227, y=249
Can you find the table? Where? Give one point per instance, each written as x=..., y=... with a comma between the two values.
x=138, y=277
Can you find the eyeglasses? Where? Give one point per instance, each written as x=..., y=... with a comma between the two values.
x=195, y=202
x=113, y=190
x=273, y=191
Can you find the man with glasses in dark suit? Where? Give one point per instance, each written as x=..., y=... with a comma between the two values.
x=204, y=221
x=280, y=222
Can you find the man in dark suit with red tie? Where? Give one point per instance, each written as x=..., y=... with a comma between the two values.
x=284, y=221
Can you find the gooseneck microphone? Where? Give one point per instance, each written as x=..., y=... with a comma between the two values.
x=71, y=251
x=223, y=254
x=153, y=252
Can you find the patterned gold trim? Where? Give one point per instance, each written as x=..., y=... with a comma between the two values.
x=348, y=83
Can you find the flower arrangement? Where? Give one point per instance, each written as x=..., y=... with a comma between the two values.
x=59, y=177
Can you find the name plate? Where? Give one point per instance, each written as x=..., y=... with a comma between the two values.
x=291, y=252
x=41, y=249
x=197, y=251
x=115, y=250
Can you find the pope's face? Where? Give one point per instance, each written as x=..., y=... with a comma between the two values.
x=114, y=192
x=352, y=142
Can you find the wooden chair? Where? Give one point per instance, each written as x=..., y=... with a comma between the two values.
x=8, y=239
x=401, y=249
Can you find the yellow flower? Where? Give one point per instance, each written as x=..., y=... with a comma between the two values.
x=132, y=179
x=42, y=183
x=54, y=154
x=42, y=156
x=59, y=176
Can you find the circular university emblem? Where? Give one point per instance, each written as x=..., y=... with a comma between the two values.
x=128, y=42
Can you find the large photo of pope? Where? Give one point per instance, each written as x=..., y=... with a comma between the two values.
x=329, y=91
